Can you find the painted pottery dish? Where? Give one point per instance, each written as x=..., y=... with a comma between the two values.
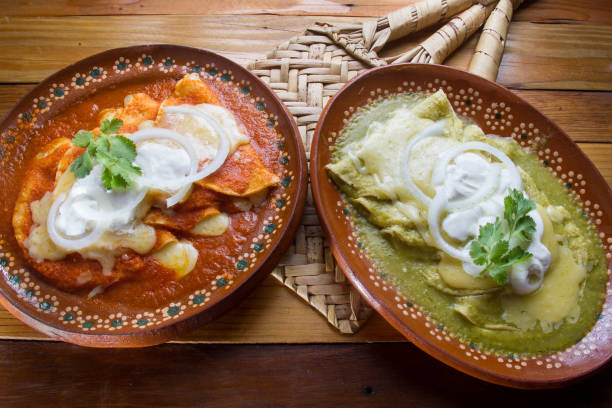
x=421, y=207
x=200, y=186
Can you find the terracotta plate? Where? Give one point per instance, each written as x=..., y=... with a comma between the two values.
x=93, y=323
x=499, y=111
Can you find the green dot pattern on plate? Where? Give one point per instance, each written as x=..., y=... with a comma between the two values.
x=468, y=102
x=243, y=263
x=121, y=66
x=116, y=323
x=226, y=77
x=44, y=306
x=245, y=90
x=280, y=203
x=345, y=211
x=147, y=61
x=259, y=105
x=269, y=228
x=58, y=92
x=142, y=322
x=173, y=310
x=80, y=81
x=3, y=261
x=523, y=136
x=212, y=72
x=286, y=182
x=271, y=122
x=221, y=282
x=26, y=117
x=284, y=160
x=42, y=104
x=197, y=69
x=68, y=317
x=198, y=299
x=498, y=116
x=87, y=325
x=94, y=73
x=14, y=280
x=28, y=293
x=258, y=247
x=169, y=62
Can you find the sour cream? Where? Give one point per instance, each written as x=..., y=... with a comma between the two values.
x=88, y=203
x=470, y=190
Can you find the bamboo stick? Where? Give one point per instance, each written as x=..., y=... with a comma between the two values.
x=443, y=42
x=364, y=41
x=488, y=52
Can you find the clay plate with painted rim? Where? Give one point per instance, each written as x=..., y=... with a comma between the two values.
x=499, y=111
x=77, y=319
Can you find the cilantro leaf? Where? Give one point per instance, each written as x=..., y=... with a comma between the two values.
x=123, y=147
x=491, y=248
x=115, y=153
x=498, y=251
x=516, y=255
x=82, y=165
x=499, y=274
x=111, y=126
x=516, y=208
x=83, y=138
x=524, y=229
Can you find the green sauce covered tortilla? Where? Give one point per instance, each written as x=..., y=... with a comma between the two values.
x=366, y=165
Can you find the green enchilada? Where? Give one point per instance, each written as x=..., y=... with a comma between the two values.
x=470, y=226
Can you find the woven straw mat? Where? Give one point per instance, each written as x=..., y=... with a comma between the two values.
x=305, y=72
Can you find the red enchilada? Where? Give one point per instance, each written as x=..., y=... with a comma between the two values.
x=160, y=193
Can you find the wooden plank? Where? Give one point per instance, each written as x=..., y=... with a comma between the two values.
x=560, y=56
x=586, y=11
x=585, y=116
x=35, y=374
x=538, y=56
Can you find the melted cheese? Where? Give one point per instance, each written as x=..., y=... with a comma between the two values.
x=557, y=298
x=136, y=236
x=452, y=273
x=178, y=256
x=211, y=226
x=200, y=134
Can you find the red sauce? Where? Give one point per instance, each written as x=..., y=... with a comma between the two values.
x=150, y=284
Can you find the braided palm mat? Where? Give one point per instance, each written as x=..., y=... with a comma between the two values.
x=306, y=71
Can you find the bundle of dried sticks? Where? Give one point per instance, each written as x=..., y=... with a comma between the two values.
x=364, y=41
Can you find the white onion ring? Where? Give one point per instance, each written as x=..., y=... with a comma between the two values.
x=435, y=210
x=80, y=242
x=224, y=146
x=194, y=175
x=439, y=173
x=432, y=130
x=182, y=184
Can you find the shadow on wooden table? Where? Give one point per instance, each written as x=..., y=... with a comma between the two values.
x=353, y=375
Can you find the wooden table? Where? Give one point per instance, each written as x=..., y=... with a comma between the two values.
x=274, y=350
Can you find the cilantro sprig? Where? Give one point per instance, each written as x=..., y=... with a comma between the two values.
x=114, y=152
x=492, y=247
